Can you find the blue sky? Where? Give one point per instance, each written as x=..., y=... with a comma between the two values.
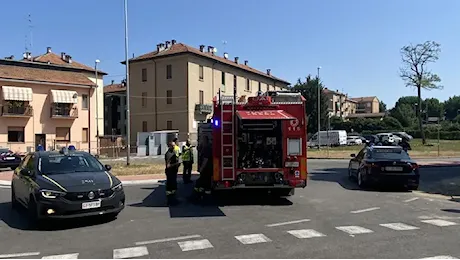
x=356, y=42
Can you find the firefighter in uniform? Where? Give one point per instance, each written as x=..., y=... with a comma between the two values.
x=176, y=147
x=203, y=184
x=187, y=161
x=172, y=162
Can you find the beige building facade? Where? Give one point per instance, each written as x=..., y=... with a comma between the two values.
x=48, y=101
x=173, y=87
x=367, y=105
x=339, y=104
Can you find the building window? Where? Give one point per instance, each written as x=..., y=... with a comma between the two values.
x=144, y=126
x=169, y=125
x=16, y=134
x=368, y=104
x=201, y=72
x=169, y=97
x=144, y=75
x=84, y=101
x=201, y=96
x=223, y=81
x=169, y=71
x=63, y=134
x=144, y=99
x=260, y=87
x=248, y=85
x=84, y=135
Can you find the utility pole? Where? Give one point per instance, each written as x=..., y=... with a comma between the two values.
x=319, y=110
x=97, y=108
x=128, y=114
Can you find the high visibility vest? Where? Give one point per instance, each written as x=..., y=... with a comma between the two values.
x=177, y=151
x=187, y=153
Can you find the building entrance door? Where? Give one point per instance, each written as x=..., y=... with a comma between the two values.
x=40, y=139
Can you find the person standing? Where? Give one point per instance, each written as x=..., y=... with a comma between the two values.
x=176, y=147
x=172, y=163
x=187, y=161
x=203, y=184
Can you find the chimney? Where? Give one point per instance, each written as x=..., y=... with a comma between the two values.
x=113, y=81
x=225, y=55
x=162, y=46
x=246, y=62
x=158, y=47
x=9, y=57
x=201, y=48
x=48, y=49
x=68, y=58
x=236, y=60
x=173, y=42
x=268, y=71
x=63, y=56
x=27, y=55
x=210, y=48
x=168, y=44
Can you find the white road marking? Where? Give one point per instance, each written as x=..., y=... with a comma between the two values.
x=253, y=239
x=306, y=233
x=288, y=223
x=166, y=240
x=409, y=200
x=19, y=254
x=66, y=256
x=364, y=210
x=399, y=226
x=441, y=257
x=354, y=230
x=130, y=252
x=195, y=245
x=439, y=222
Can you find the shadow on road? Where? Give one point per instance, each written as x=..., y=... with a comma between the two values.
x=186, y=205
x=340, y=176
x=440, y=180
x=452, y=210
x=18, y=219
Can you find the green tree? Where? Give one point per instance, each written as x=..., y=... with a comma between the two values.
x=433, y=107
x=405, y=114
x=414, y=71
x=309, y=90
x=382, y=107
x=452, y=107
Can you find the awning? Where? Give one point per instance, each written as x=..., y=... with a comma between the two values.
x=64, y=96
x=264, y=115
x=17, y=93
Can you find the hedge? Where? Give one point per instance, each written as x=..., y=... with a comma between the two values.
x=429, y=134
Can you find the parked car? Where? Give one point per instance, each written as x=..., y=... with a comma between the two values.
x=9, y=159
x=371, y=138
x=354, y=140
x=65, y=184
x=387, y=138
x=389, y=165
x=405, y=135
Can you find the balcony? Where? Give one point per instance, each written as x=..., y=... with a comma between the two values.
x=203, y=108
x=17, y=111
x=60, y=112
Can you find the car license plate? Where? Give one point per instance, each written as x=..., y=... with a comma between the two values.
x=393, y=169
x=10, y=158
x=91, y=205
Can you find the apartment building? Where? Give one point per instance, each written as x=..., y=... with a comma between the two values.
x=339, y=104
x=367, y=105
x=173, y=86
x=115, y=108
x=50, y=100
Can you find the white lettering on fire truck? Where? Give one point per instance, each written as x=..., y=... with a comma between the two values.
x=294, y=125
x=260, y=113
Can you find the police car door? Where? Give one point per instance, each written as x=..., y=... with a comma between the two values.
x=356, y=162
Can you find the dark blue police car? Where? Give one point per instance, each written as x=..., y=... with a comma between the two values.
x=65, y=184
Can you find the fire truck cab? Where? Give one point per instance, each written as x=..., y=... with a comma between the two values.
x=258, y=144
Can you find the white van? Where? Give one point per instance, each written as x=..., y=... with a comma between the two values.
x=330, y=138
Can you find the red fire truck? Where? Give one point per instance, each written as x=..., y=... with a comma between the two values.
x=260, y=143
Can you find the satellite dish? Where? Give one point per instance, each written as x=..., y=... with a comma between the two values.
x=214, y=50
x=226, y=55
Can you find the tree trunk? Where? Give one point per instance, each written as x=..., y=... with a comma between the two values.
x=419, y=114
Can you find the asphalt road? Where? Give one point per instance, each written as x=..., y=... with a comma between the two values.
x=331, y=218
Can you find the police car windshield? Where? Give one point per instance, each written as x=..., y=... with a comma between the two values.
x=389, y=154
x=71, y=163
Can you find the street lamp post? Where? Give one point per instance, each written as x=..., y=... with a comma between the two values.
x=319, y=110
x=97, y=107
x=128, y=114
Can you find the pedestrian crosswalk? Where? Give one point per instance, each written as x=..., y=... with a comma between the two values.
x=191, y=243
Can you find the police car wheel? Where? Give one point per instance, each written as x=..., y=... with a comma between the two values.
x=361, y=182
x=14, y=201
x=350, y=175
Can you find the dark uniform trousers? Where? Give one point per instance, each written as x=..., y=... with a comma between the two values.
x=171, y=178
x=187, y=174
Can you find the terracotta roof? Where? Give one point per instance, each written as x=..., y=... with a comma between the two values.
x=18, y=71
x=180, y=48
x=364, y=99
x=55, y=59
x=112, y=88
